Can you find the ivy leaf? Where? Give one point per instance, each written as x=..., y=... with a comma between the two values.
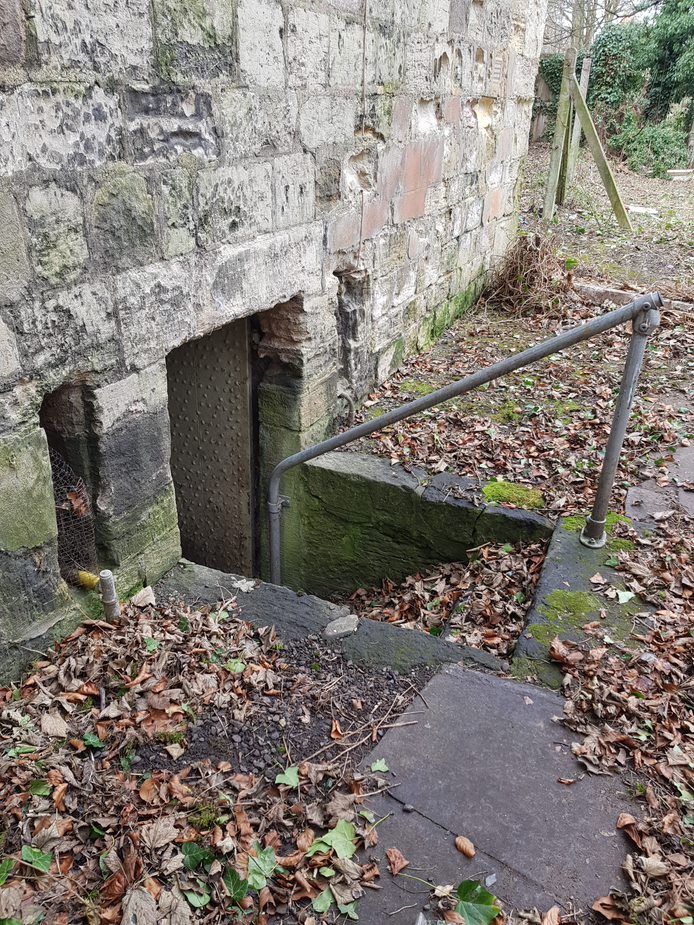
x=290, y=777
x=476, y=905
x=92, y=741
x=261, y=866
x=198, y=900
x=20, y=750
x=39, y=788
x=323, y=901
x=380, y=765
x=5, y=868
x=236, y=887
x=194, y=855
x=151, y=644
x=350, y=910
x=326, y=872
x=235, y=666
x=341, y=840
x=36, y=858
x=624, y=596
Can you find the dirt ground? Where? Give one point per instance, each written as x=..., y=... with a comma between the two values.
x=660, y=255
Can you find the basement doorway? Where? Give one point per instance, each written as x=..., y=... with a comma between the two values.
x=213, y=456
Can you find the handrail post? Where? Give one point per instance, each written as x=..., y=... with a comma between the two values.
x=594, y=534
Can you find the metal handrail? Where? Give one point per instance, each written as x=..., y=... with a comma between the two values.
x=645, y=316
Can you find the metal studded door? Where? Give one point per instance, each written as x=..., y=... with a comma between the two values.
x=210, y=413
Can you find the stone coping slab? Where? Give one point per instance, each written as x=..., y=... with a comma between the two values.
x=296, y=616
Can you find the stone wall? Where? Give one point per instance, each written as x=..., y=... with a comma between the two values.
x=168, y=166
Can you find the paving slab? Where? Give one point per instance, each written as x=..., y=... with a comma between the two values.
x=484, y=761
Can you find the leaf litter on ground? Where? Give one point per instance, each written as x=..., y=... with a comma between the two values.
x=257, y=817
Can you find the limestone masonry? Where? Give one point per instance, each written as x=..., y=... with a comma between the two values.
x=340, y=173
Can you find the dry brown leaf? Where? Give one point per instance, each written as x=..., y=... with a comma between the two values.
x=552, y=916
x=396, y=860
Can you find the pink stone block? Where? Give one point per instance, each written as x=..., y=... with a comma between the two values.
x=493, y=205
x=452, y=111
x=432, y=161
x=390, y=172
x=410, y=205
x=376, y=215
x=402, y=113
x=412, y=168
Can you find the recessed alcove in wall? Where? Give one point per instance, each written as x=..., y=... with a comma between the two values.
x=65, y=416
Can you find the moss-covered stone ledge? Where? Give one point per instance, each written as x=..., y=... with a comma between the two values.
x=363, y=520
x=565, y=600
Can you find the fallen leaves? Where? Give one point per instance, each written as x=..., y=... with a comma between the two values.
x=106, y=794
x=396, y=861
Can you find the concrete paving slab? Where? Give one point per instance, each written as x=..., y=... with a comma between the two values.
x=484, y=761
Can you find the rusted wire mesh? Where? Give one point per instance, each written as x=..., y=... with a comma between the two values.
x=76, y=543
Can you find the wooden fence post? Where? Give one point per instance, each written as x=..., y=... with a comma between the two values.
x=583, y=113
x=560, y=130
x=575, y=143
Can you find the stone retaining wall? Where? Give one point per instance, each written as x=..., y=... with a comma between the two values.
x=167, y=167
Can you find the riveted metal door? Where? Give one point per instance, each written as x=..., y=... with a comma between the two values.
x=210, y=413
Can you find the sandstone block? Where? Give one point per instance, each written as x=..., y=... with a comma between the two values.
x=123, y=221
x=261, y=52
x=156, y=307
x=9, y=355
x=253, y=123
x=179, y=222
x=27, y=509
x=113, y=38
x=165, y=124
x=15, y=271
x=234, y=202
x=195, y=39
x=58, y=126
x=69, y=330
x=327, y=120
x=293, y=190
x=56, y=224
x=346, y=50
x=308, y=35
x=12, y=32
x=247, y=278
x=141, y=393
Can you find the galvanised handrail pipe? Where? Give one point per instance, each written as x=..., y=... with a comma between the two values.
x=643, y=312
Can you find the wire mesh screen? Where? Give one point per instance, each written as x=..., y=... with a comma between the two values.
x=76, y=543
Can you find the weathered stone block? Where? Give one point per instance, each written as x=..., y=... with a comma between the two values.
x=195, y=39
x=12, y=32
x=30, y=590
x=256, y=123
x=327, y=120
x=71, y=330
x=56, y=225
x=9, y=355
x=261, y=52
x=123, y=221
x=272, y=269
x=165, y=124
x=293, y=190
x=27, y=509
x=308, y=35
x=346, y=51
x=177, y=190
x=58, y=126
x=121, y=540
x=115, y=38
x=157, y=307
x=15, y=271
x=234, y=202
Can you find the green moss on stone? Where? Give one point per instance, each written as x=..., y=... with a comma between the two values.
x=564, y=611
x=124, y=217
x=508, y=493
x=575, y=523
x=539, y=670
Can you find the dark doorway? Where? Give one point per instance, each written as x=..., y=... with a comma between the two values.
x=212, y=464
